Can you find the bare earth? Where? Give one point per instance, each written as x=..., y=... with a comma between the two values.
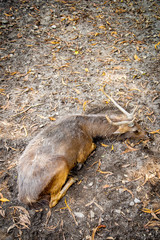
x=55, y=56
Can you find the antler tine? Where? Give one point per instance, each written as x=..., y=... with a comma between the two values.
x=129, y=115
x=130, y=122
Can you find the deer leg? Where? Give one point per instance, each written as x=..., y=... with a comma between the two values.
x=56, y=197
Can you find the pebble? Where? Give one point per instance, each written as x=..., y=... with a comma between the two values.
x=90, y=184
x=131, y=204
x=117, y=211
x=92, y=214
x=53, y=26
x=79, y=214
x=136, y=200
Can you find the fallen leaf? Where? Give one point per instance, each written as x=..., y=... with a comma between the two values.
x=112, y=148
x=54, y=42
x=4, y=199
x=95, y=230
x=102, y=27
x=13, y=73
x=113, y=33
x=84, y=105
x=157, y=45
x=120, y=10
x=8, y=15
x=129, y=149
x=137, y=58
x=52, y=118
x=156, y=131
x=104, y=145
x=106, y=186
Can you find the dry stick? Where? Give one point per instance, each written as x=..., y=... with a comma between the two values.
x=15, y=115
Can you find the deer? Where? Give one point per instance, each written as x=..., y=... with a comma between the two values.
x=45, y=164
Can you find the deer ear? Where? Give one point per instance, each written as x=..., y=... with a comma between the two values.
x=125, y=128
x=121, y=129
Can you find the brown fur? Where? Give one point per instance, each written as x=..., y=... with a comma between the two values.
x=47, y=160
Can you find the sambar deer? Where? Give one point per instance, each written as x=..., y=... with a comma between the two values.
x=44, y=166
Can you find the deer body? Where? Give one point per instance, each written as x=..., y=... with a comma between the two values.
x=46, y=162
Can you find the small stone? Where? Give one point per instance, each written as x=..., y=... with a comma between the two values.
x=90, y=184
x=53, y=26
x=92, y=214
x=131, y=204
x=136, y=200
x=79, y=214
x=117, y=211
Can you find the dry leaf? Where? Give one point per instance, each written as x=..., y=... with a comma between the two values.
x=104, y=145
x=84, y=105
x=113, y=33
x=120, y=10
x=102, y=27
x=52, y=118
x=137, y=58
x=157, y=45
x=106, y=186
x=4, y=199
x=54, y=42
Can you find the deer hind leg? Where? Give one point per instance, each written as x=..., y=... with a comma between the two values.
x=56, y=197
x=57, y=188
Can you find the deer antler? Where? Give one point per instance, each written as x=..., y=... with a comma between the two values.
x=130, y=116
x=131, y=122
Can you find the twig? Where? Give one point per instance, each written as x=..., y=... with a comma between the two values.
x=17, y=114
x=69, y=209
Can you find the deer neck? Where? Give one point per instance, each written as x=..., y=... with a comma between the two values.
x=97, y=125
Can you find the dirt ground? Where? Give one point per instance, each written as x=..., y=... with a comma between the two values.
x=55, y=56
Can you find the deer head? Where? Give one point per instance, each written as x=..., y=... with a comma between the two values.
x=126, y=122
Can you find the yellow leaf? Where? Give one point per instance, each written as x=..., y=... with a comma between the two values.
x=136, y=58
x=86, y=69
x=76, y=52
x=54, y=42
x=146, y=210
x=84, y=105
x=102, y=27
x=13, y=73
x=157, y=45
x=108, y=23
x=103, y=74
x=104, y=145
x=8, y=15
x=113, y=33
x=2, y=89
x=4, y=199
x=93, y=44
x=120, y=10
x=106, y=186
x=52, y=118
x=156, y=131
x=112, y=148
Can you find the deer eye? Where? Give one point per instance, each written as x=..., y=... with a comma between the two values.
x=136, y=132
